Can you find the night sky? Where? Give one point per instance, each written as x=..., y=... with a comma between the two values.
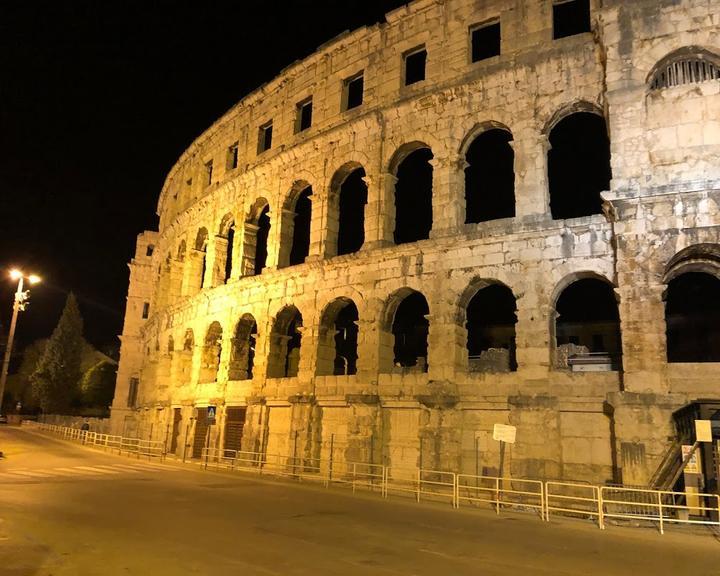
x=97, y=101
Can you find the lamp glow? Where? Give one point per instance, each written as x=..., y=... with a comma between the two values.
x=16, y=274
x=34, y=279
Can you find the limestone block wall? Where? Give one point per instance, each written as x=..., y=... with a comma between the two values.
x=599, y=426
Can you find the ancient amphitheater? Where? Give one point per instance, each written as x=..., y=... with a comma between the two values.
x=476, y=212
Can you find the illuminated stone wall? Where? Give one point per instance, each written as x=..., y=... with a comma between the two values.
x=584, y=426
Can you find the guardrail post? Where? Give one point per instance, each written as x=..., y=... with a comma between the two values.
x=660, y=510
x=497, y=496
x=456, y=492
x=601, y=509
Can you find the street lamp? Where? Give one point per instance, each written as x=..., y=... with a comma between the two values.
x=19, y=304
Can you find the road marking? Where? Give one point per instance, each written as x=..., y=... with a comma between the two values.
x=97, y=470
x=31, y=473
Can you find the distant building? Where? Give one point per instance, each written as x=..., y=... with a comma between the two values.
x=474, y=213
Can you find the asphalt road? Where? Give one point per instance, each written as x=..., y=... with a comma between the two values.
x=68, y=510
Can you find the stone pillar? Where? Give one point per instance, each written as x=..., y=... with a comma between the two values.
x=175, y=275
x=284, y=239
x=211, y=256
x=192, y=278
x=531, y=183
x=380, y=211
x=534, y=339
x=318, y=232
x=219, y=251
x=448, y=202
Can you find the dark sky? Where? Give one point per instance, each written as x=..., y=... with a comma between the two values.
x=97, y=101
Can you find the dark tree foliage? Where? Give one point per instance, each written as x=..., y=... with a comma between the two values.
x=55, y=380
x=98, y=385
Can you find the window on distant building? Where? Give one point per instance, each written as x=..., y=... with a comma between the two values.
x=303, y=117
x=484, y=41
x=232, y=156
x=265, y=137
x=149, y=250
x=353, y=91
x=570, y=17
x=415, y=65
x=146, y=310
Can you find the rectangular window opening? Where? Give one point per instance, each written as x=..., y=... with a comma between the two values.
x=265, y=137
x=353, y=88
x=150, y=249
x=232, y=156
x=132, y=392
x=146, y=310
x=570, y=17
x=415, y=66
x=303, y=118
x=208, y=172
x=484, y=41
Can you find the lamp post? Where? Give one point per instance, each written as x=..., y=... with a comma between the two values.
x=19, y=304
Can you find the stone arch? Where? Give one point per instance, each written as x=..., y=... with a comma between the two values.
x=212, y=352
x=487, y=310
x=242, y=356
x=224, y=249
x=338, y=338
x=411, y=165
x=346, y=210
x=578, y=161
x=295, y=225
x=256, y=230
x=585, y=323
x=285, y=343
x=489, y=173
x=686, y=65
x=405, y=323
x=692, y=304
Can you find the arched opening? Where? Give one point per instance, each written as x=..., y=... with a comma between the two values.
x=199, y=261
x=211, y=353
x=490, y=177
x=688, y=65
x=413, y=193
x=692, y=317
x=410, y=332
x=224, y=249
x=255, y=238
x=578, y=165
x=285, y=341
x=351, y=198
x=295, y=233
x=587, y=327
x=490, y=327
x=242, y=358
x=337, y=349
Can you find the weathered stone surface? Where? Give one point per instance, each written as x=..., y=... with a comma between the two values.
x=663, y=199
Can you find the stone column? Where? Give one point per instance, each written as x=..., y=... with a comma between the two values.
x=318, y=232
x=380, y=211
x=448, y=201
x=175, y=280
x=531, y=183
x=219, y=251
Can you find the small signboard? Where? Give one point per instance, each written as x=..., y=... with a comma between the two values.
x=693, y=465
x=703, y=430
x=504, y=433
x=211, y=412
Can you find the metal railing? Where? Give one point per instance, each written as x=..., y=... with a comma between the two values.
x=578, y=499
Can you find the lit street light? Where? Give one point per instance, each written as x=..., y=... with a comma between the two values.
x=19, y=304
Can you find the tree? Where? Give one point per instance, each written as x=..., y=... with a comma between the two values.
x=55, y=380
x=98, y=385
x=19, y=384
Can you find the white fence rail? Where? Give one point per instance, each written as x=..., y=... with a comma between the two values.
x=598, y=503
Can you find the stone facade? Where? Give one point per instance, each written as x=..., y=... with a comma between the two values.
x=659, y=219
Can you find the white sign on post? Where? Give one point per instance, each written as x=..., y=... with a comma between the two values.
x=504, y=433
x=703, y=431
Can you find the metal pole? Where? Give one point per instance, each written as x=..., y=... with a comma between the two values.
x=332, y=445
x=295, y=452
x=11, y=336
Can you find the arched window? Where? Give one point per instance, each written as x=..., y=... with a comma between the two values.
x=295, y=233
x=692, y=317
x=337, y=350
x=490, y=326
x=224, y=249
x=413, y=193
x=256, y=231
x=410, y=332
x=242, y=358
x=490, y=177
x=689, y=65
x=199, y=260
x=285, y=341
x=578, y=165
x=211, y=353
x=346, y=222
x=587, y=327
